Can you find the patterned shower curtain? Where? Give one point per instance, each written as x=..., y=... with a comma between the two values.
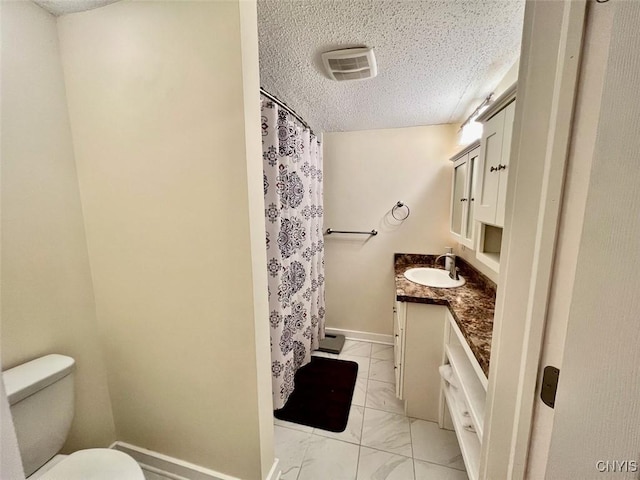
x=292, y=162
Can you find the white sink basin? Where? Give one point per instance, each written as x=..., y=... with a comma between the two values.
x=433, y=277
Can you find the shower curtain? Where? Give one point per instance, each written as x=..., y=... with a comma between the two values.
x=292, y=163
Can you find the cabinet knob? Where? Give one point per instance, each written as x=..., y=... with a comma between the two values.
x=493, y=169
x=397, y=335
x=502, y=167
x=473, y=199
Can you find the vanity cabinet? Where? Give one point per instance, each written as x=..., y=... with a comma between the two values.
x=493, y=166
x=419, y=332
x=465, y=396
x=463, y=192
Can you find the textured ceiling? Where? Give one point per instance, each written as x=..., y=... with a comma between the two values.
x=62, y=7
x=435, y=58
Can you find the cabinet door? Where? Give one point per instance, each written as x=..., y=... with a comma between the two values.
x=472, y=179
x=423, y=356
x=504, y=171
x=490, y=159
x=459, y=197
x=399, y=326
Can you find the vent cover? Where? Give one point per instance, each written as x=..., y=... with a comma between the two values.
x=350, y=64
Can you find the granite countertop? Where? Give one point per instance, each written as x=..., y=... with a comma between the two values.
x=472, y=305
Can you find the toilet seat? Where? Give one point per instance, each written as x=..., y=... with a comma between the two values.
x=95, y=464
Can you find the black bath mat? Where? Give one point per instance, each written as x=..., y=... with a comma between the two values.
x=322, y=394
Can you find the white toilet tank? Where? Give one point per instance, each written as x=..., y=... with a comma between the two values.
x=41, y=398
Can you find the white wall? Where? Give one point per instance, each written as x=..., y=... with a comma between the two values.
x=163, y=99
x=365, y=174
x=509, y=79
x=47, y=295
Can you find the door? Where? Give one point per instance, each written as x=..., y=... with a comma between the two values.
x=596, y=427
x=458, y=198
x=472, y=179
x=503, y=168
x=490, y=159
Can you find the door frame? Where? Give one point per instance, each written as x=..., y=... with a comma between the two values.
x=547, y=85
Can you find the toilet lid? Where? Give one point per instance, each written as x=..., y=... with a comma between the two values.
x=96, y=464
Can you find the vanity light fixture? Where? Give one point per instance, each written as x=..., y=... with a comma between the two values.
x=471, y=130
x=479, y=109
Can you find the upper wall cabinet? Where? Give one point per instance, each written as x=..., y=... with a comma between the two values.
x=465, y=168
x=493, y=165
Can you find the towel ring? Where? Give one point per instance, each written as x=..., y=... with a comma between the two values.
x=397, y=206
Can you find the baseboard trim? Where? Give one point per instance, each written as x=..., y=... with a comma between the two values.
x=176, y=469
x=363, y=336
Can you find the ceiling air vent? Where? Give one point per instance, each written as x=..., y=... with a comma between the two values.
x=350, y=64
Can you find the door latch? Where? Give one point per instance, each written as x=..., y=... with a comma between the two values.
x=549, y=385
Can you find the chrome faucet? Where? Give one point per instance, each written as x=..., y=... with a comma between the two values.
x=453, y=271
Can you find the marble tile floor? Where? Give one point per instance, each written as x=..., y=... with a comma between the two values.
x=379, y=443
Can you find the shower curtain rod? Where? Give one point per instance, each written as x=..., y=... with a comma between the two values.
x=287, y=108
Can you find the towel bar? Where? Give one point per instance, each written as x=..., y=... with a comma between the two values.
x=330, y=231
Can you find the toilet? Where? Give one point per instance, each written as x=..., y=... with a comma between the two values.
x=41, y=398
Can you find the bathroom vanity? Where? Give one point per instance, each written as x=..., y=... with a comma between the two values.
x=444, y=326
